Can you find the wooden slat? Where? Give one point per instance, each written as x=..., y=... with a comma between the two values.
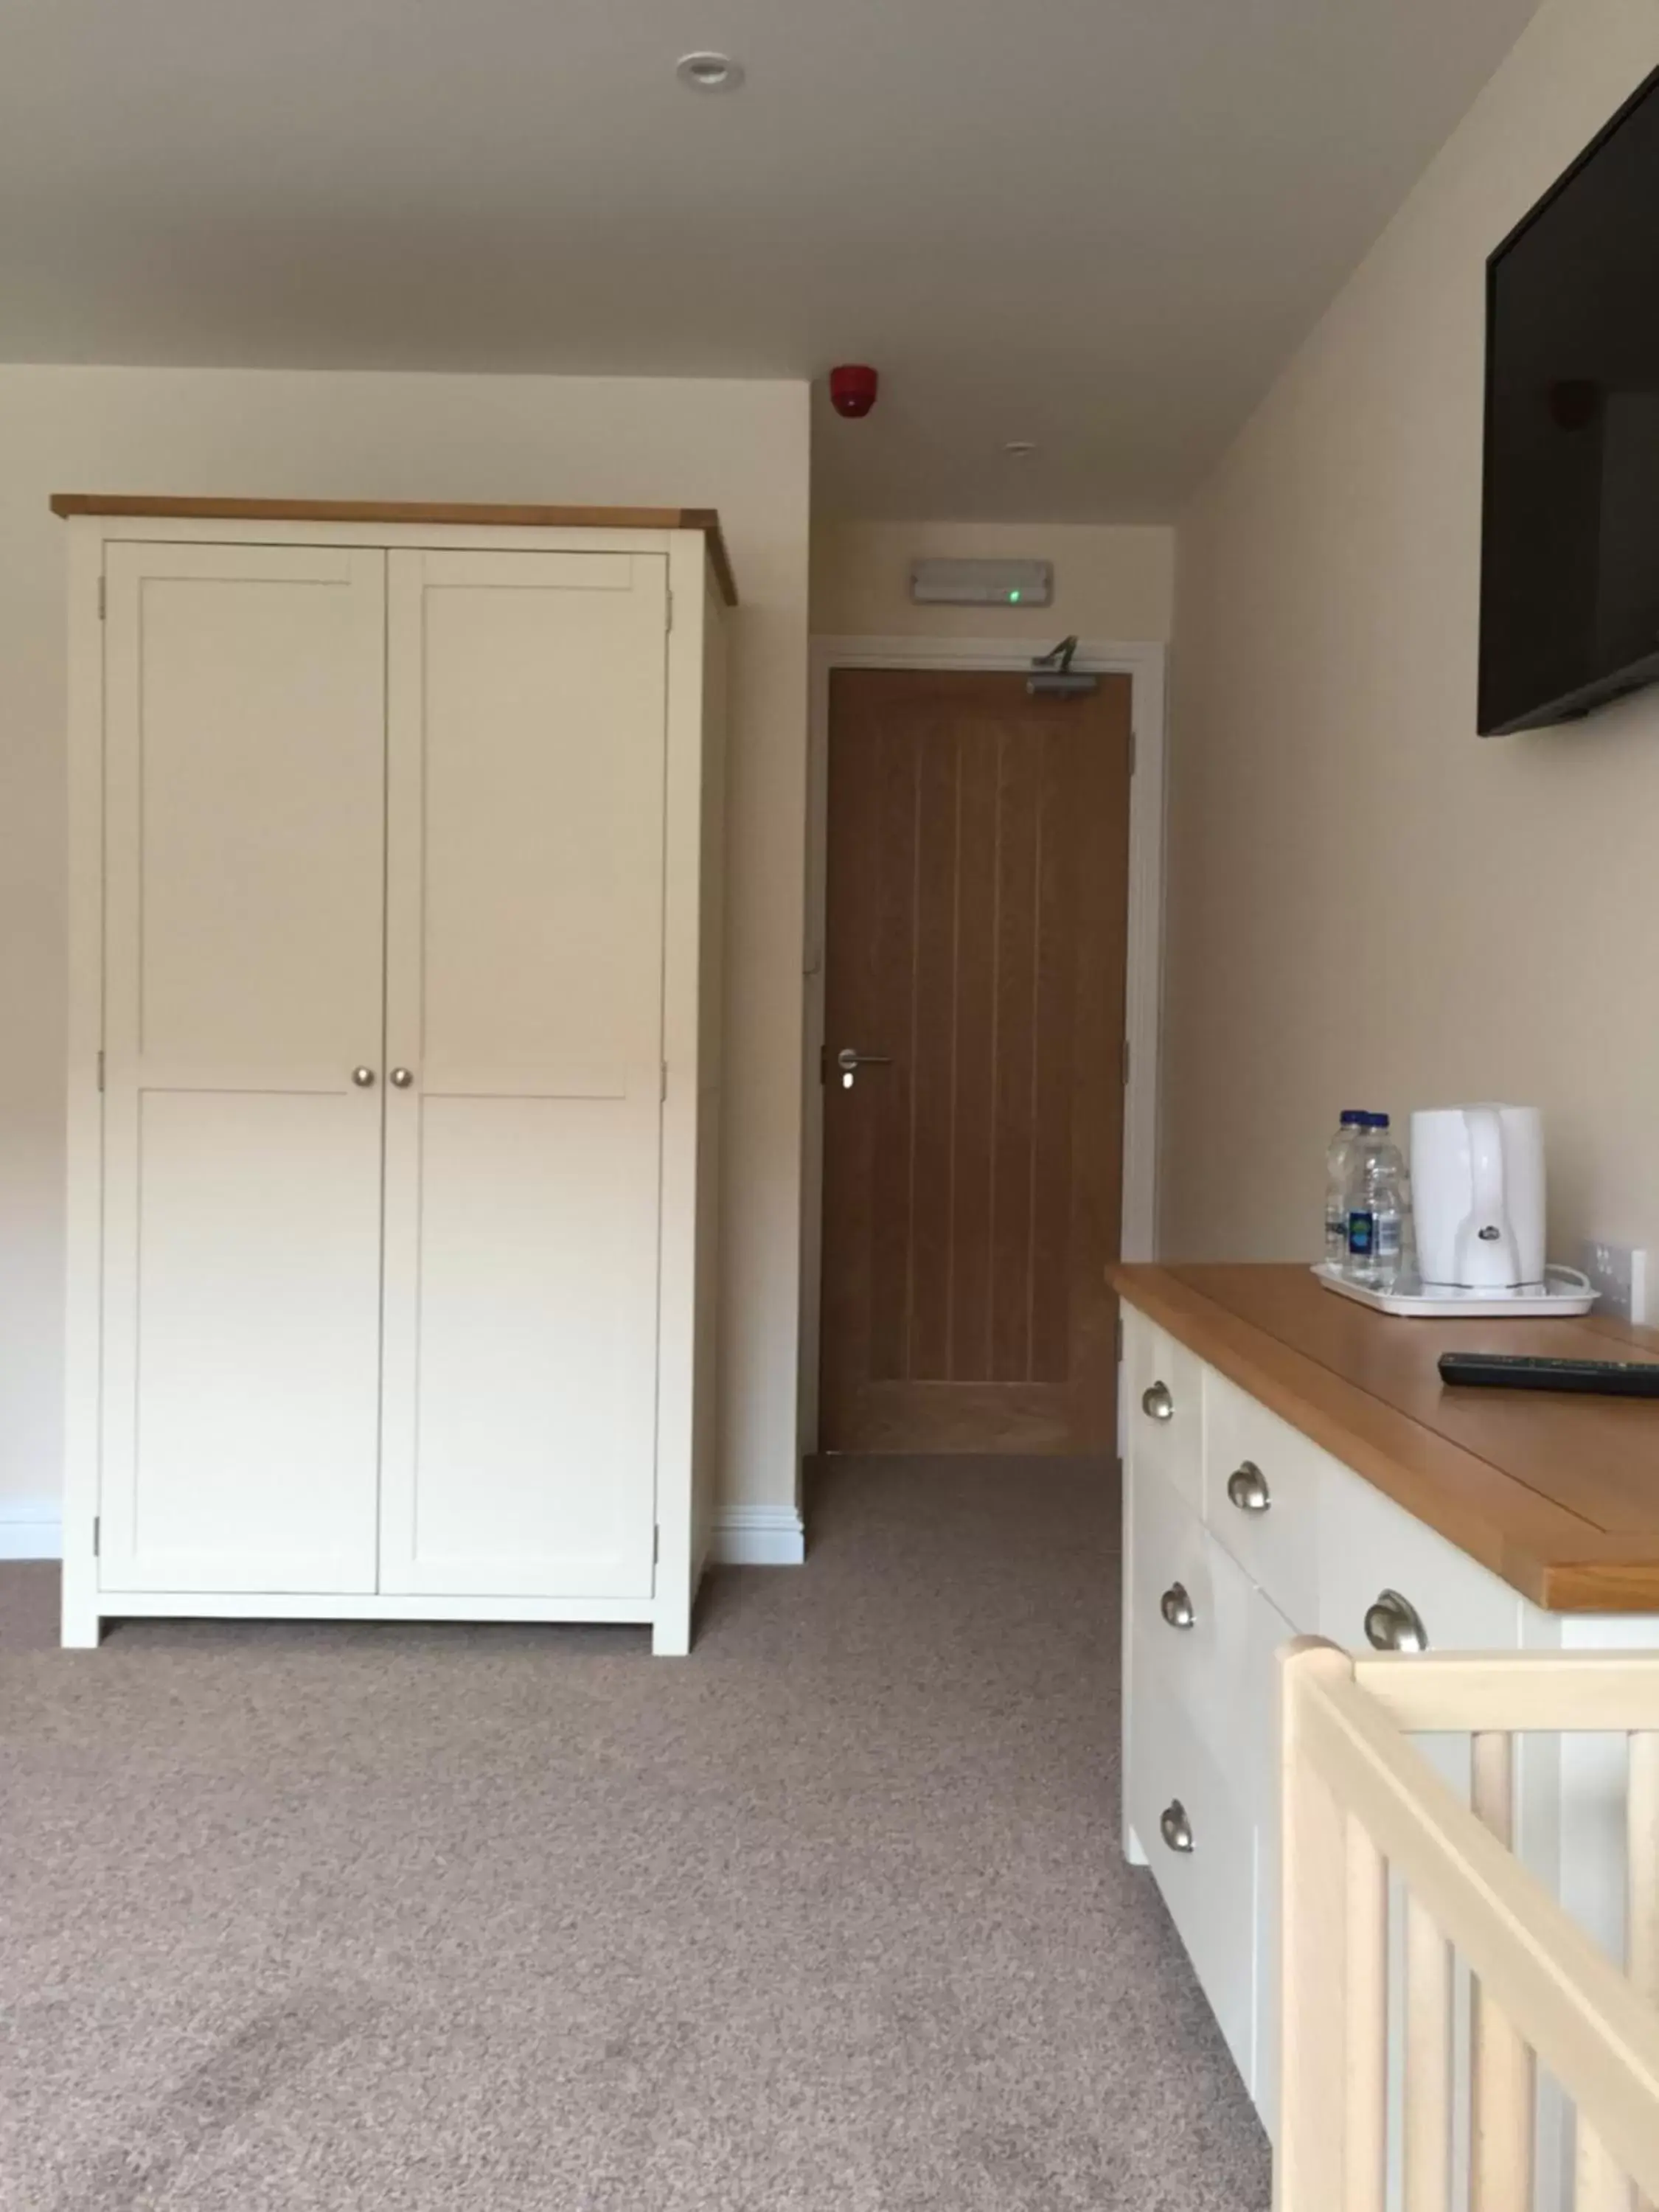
x=1599, y=2185
x=1427, y=2129
x=1541, y=1974
x=1641, y=1830
x=873, y=889
x=460, y=514
x=974, y=1076
x=1308, y=2163
x=1013, y=1120
x=1500, y=2065
x=1051, y=1090
x=1555, y=1494
x=933, y=1032
x=1492, y=1781
x=1365, y=1974
x=1641, y=1877
x=1462, y=1692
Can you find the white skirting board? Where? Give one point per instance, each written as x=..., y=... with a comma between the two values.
x=30, y=1528
x=744, y=1535
x=758, y=1536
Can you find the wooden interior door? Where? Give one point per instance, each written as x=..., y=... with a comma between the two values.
x=244, y=834
x=977, y=891
x=524, y=1005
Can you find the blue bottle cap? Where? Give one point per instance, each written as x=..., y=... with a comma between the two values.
x=1377, y=1121
x=1354, y=1114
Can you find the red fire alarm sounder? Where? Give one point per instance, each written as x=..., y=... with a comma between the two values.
x=853, y=389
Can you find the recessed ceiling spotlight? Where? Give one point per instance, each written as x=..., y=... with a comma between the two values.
x=1020, y=449
x=709, y=72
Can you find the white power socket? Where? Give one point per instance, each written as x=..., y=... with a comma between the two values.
x=1620, y=1273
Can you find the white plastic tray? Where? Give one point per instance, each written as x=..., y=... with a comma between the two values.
x=1563, y=1291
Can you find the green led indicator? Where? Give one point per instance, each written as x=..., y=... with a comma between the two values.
x=1013, y=598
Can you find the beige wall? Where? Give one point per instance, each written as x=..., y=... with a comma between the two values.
x=1368, y=905
x=742, y=447
x=1111, y=583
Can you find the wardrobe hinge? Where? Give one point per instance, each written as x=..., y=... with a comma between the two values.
x=662, y=1088
x=101, y=598
x=668, y=621
x=97, y=1533
x=101, y=1070
x=656, y=1546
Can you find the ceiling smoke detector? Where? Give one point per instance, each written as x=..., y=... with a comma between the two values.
x=709, y=72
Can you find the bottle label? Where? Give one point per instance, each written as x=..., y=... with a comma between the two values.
x=1361, y=1234
x=1387, y=1236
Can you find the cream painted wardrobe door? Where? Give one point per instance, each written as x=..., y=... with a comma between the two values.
x=528, y=724
x=244, y=761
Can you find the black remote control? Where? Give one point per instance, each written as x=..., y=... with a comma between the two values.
x=1508, y=1370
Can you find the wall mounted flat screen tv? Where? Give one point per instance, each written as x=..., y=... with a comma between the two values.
x=1570, y=547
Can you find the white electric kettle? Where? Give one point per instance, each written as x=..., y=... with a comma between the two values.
x=1478, y=1196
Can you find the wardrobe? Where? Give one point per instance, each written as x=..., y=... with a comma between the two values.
x=394, y=1060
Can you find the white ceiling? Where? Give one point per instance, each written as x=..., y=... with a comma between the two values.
x=1100, y=224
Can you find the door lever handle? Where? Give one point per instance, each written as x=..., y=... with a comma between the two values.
x=849, y=1060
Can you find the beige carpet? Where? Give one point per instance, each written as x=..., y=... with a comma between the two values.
x=830, y=1918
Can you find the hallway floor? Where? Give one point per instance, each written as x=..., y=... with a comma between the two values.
x=829, y=1918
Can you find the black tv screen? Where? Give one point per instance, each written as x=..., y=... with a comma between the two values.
x=1569, y=547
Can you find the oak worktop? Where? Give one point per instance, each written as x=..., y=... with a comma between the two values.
x=1559, y=1495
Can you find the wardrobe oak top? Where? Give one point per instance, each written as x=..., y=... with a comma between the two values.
x=1557, y=1495
x=705, y=519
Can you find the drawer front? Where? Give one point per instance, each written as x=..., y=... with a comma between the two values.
x=1169, y=1552
x=1263, y=1634
x=1164, y=1400
x=1210, y=1891
x=1369, y=1545
x=1211, y=1637
x=1263, y=1483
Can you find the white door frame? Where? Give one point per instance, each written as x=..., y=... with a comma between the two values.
x=1143, y=662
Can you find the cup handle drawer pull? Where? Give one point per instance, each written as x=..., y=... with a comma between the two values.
x=1247, y=1488
x=1175, y=1827
x=1393, y=1623
x=1157, y=1403
x=1176, y=1607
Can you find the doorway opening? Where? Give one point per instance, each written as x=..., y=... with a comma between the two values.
x=985, y=1023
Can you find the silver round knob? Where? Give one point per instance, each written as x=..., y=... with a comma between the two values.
x=1393, y=1623
x=1175, y=1827
x=401, y=1079
x=1176, y=1607
x=1157, y=1403
x=1247, y=1488
x=364, y=1078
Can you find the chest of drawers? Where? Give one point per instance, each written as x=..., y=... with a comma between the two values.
x=1242, y=1529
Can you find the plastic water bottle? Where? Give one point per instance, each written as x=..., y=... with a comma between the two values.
x=1339, y=1173
x=1376, y=1207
